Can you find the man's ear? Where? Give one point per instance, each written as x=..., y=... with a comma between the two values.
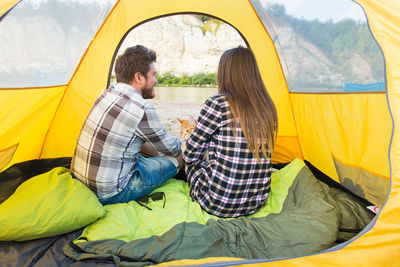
x=137, y=77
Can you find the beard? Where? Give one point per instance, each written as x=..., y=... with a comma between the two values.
x=148, y=92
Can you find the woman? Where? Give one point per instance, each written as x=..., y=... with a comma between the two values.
x=237, y=127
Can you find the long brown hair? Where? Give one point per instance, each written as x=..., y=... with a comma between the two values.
x=240, y=81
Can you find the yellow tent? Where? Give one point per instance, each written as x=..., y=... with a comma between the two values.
x=342, y=134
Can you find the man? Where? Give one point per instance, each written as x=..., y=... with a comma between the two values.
x=121, y=124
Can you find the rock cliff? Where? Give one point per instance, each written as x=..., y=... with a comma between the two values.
x=184, y=44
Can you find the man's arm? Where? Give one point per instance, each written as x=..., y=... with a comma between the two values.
x=149, y=150
x=152, y=131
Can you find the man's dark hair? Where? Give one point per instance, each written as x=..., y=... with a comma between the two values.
x=135, y=59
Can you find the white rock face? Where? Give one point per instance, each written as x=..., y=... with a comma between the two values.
x=181, y=45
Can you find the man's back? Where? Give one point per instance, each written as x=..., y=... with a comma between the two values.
x=120, y=124
x=106, y=153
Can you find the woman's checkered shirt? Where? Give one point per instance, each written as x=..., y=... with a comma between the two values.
x=232, y=182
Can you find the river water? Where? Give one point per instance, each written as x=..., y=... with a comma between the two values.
x=184, y=94
x=179, y=102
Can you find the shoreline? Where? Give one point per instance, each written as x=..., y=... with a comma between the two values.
x=169, y=111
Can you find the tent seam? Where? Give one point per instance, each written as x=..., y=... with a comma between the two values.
x=284, y=78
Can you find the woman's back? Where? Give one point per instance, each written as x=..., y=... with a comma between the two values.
x=238, y=127
x=233, y=182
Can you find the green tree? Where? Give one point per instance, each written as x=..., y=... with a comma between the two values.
x=337, y=41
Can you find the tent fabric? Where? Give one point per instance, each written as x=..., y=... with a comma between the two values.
x=363, y=132
x=6, y=155
x=6, y=6
x=336, y=125
x=379, y=244
x=355, y=87
x=362, y=183
x=28, y=126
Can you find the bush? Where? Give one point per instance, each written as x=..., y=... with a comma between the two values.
x=169, y=79
x=198, y=79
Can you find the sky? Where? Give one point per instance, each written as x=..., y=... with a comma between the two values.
x=321, y=9
x=307, y=9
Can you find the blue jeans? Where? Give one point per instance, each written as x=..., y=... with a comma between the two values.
x=150, y=173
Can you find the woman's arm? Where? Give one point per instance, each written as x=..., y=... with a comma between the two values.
x=208, y=122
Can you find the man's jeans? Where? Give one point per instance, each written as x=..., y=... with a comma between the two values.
x=150, y=173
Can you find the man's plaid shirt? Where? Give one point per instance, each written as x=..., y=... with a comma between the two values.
x=118, y=124
x=232, y=183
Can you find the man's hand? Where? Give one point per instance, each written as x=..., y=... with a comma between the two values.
x=149, y=150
